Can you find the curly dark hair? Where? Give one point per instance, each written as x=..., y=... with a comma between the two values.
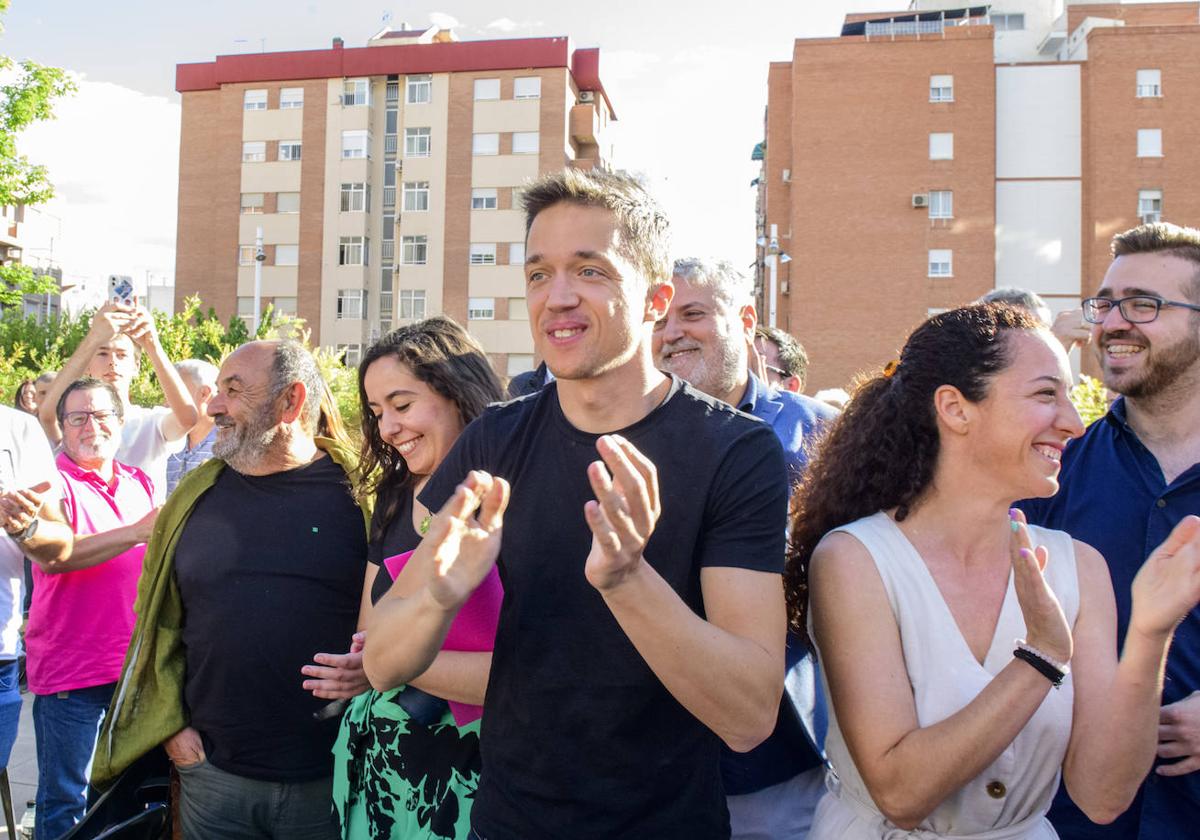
x=880, y=453
x=441, y=354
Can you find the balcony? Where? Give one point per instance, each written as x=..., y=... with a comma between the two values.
x=389, y=144
x=387, y=251
x=585, y=124
x=389, y=197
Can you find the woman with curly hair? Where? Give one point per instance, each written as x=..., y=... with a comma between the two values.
x=406, y=761
x=968, y=656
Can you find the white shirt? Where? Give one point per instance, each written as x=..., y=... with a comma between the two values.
x=143, y=445
x=25, y=460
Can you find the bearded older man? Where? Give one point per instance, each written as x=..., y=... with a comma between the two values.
x=257, y=565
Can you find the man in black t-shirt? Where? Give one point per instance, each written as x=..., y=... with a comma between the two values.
x=643, y=619
x=269, y=565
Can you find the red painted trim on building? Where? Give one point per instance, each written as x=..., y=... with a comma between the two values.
x=585, y=67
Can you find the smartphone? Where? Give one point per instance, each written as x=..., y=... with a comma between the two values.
x=120, y=290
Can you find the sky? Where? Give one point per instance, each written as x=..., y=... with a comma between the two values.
x=687, y=82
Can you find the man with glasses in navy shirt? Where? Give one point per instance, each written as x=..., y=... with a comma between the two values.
x=1130, y=479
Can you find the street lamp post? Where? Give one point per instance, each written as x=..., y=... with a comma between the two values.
x=259, y=258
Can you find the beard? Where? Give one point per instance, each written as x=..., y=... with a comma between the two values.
x=714, y=369
x=244, y=446
x=1164, y=367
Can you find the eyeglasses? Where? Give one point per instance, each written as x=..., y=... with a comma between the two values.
x=780, y=372
x=76, y=419
x=1136, y=309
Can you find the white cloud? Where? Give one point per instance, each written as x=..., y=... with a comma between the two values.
x=113, y=155
x=503, y=24
x=443, y=20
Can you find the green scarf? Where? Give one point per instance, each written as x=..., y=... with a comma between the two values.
x=147, y=706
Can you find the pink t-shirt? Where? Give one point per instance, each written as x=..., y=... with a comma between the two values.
x=80, y=622
x=473, y=629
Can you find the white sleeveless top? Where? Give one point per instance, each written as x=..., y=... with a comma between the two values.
x=1009, y=800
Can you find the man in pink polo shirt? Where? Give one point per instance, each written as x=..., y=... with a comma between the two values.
x=81, y=617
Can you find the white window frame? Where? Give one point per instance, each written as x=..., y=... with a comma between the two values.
x=351, y=354
x=485, y=143
x=254, y=151
x=487, y=90
x=352, y=193
x=285, y=305
x=352, y=250
x=941, y=145
x=941, y=88
x=292, y=97
x=1149, y=143
x=526, y=142
x=483, y=253
x=1150, y=206
x=287, y=255
x=414, y=138
x=941, y=204
x=254, y=100
x=418, y=89
x=941, y=262
x=246, y=254
x=279, y=209
x=356, y=144
x=351, y=304
x=481, y=309
x=293, y=148
x=527, y=87
x=1149, y=83
x=411, y=301
x=356, y=92
x=484, y=198
x=416, y=197
x=1008, y=21
x=414, y=250
x=248, y=205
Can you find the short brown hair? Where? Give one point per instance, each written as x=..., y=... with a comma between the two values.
x=1182, y=242
x=644, y=230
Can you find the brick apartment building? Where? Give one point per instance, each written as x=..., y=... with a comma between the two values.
x=385, y=180
x=924, y=158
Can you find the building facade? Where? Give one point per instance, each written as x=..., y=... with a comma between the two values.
x=923, y=158
x=385, y=180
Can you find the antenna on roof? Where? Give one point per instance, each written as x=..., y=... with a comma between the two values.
x=387, y=18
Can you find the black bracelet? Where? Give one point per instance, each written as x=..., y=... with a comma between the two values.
x=1041, y=666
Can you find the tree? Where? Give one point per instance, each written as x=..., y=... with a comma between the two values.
x=27, y=97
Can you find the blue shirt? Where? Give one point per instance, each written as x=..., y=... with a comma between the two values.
x=795, y=745
x=1114, y=498
x=187, y=459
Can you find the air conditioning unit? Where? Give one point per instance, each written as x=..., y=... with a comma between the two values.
x=920, y=200
x=787, y=175
x=587, y=96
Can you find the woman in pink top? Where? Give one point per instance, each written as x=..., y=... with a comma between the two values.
x=406, y=762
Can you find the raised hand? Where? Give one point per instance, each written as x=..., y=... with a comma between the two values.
x=465, y=538
x=1046, y=626
x=1167, y=586
x=110, y=320
x=140, y=328
x=624, y=513
x=1069, y=328
x=20, y=507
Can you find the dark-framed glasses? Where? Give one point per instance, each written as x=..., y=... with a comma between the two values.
x=1136, y=309
x=75, y=419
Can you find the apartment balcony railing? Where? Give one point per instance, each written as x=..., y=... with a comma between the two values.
x=906, y=27
x=388, y=251
x=389, y=144
x=389, y=196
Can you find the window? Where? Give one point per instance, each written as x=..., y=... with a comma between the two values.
x=252, y=204
x=519, y=363
x=941, y=88
x=392, y=92
x=352, y=250
x=1149, y=142
x=941, y=263
x=416, y=196
x=385, y=307
x=941, y=204
x=356, y=92
x=351, y=304
x=527, y=87
x=245, y=307
x=1008, y=23
x=1149, y=83
x=351, y=354
x=356, y=144
x=419, y=90
x=483, y=254
x=413, y=250
x=354, y=198
x=483, y=199
x=416, y=142
x=941, y=146
x=487, y=89
x=287, y=255
x=284, y=305
x=485, y=144
x=254, y=100
x=254, y=151
x=289, y=150
x=412, y=304
x=246, y=254
x=481, y=309
x=518, y=309
x=1150, y=206
x=516, y=253
x=291, y=98
x=525, y=143
x=287, y=202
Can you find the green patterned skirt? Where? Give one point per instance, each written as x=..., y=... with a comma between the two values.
x=397, y=779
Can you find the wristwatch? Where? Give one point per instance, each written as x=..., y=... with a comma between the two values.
x=30, y=530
